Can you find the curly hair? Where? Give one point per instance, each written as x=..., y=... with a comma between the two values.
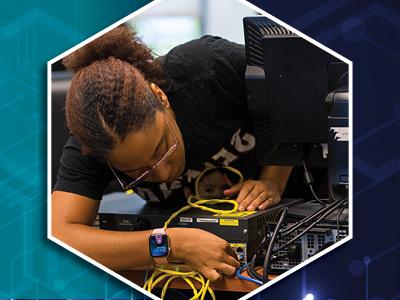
x=109, y=95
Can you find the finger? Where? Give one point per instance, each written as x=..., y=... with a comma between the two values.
x=249, y=199
x=211, y=274
x=233, y=190
x=266, y=204
x=270, y=202
x=246, y=189
x=230, y=260
x=226, y=269
x=253, y=195
x=231, y=252
x=258, y=201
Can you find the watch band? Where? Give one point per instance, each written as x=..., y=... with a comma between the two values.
x=159, y=231
x=160, y=260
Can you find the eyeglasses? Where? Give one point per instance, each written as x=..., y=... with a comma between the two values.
x=127, y=182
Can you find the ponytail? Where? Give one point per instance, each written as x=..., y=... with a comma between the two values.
x=109, y=95
x=122, y=43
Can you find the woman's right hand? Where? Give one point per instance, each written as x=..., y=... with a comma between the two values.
x=204, y=251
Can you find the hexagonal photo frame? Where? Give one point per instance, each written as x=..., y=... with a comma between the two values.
x=298, y=100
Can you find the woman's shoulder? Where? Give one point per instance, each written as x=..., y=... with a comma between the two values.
x=201, y=58
x=195, y=45
x=206, y=47
x=191, y=58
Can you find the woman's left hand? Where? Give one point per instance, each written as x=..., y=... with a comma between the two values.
x=255, y=194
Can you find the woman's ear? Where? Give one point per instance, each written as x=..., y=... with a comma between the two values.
x=160, y=95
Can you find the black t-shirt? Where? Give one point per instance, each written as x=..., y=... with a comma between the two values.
x=208, y=96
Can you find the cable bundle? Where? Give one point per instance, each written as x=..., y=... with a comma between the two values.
x=172, y=272
x=266, y=247
x=269, y=242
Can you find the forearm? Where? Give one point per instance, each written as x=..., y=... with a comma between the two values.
x=72, y=216
x=117, y=250
x=277, y=174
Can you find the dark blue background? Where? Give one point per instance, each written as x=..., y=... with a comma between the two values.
x=368, y=33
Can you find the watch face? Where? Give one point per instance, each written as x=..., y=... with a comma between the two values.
x=158, y=245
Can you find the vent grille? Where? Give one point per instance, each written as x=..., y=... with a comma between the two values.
x=256, y=28
x=263, y=221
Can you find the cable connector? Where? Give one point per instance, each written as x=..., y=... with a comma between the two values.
x=308, y=179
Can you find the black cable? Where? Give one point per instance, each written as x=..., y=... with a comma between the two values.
x=272, y=243
x=251, y=268
x=251, y=265
x=309, y=181
x=292, y=228
x=283, y=233
x=327, y=213
x=315, y=196
x=333, y=194
x=325, y=200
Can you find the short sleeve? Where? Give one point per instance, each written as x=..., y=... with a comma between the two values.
x=81, y=174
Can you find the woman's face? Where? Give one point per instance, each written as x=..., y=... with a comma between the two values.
x=142, y=149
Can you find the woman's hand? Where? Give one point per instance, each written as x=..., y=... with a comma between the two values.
x=204, y=251
x=255, y=194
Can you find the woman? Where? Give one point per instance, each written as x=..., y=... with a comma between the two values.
x=153, y=124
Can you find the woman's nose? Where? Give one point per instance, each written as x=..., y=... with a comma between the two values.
x=161, y=172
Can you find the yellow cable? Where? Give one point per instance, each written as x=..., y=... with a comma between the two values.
x=161, y=273
x=233, y=170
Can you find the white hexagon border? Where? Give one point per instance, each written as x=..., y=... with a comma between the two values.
x=125, y=19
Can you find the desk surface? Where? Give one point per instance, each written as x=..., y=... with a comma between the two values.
x=232, y=284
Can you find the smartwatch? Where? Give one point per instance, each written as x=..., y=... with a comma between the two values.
x=159, y=246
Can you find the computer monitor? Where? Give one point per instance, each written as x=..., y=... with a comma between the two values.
x=288, y=80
